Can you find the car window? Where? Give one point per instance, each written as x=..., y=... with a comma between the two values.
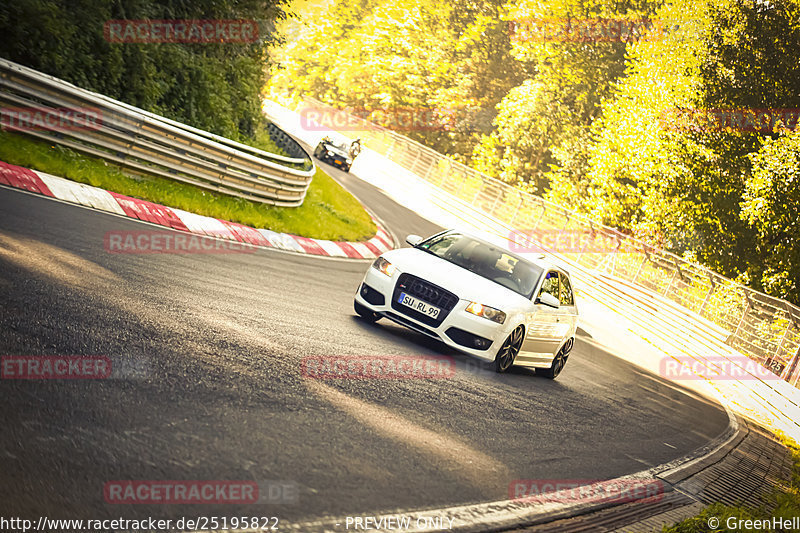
x=550, y=285
x=526, y=277
x=443, y=247
x=566, y=291
x=336, y=142
x=485, y=260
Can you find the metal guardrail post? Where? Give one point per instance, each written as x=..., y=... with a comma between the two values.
x=791, y=367
x=496, y=201
x=566, y=220
x=416, y=161
x=428, y=172
x=460, y=187
x=671, y=279
x=741, y=320
x=641, y=265
x=790, y=321
x=516, y=212
x=615, y=254
x=585, y=244
x=708, y=295
x=783, y=337
x=538, y=220
x=477, y=194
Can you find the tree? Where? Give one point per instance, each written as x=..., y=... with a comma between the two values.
x=213, y=86
x=680, y=184
x=529, y=119
x=376, y=55
x=771, y=205
x=539, y=122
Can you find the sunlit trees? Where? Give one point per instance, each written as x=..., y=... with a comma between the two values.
x=681, y=184
x=386, y=55
x=545, y=121
x=771, y=205
x=597, y=125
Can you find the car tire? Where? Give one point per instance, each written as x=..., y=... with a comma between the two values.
x=346, y=168
x=366, y=314
x=504, y=359
x=559, y=361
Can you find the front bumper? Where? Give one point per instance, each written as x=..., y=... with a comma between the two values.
x=334, y=160
x=461, y=330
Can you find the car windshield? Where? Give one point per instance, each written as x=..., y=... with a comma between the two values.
x=485, y=260
x=339, y=144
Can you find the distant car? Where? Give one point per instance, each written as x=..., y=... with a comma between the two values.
x=338, y=152
x=476, y=297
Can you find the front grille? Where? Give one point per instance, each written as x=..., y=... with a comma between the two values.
x=428, y=293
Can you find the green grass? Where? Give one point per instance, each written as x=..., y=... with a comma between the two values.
x=328, y=212
x=263, y=141
x=784, y=504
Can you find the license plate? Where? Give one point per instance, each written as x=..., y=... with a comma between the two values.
x=418, y=305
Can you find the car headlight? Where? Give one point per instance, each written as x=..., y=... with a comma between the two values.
x=329, y=153
x=384, y=266
x=490, y=313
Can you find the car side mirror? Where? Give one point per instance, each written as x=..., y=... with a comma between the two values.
x=547, y=299
x=413, y=240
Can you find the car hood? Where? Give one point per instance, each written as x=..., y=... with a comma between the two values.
x=463, y=283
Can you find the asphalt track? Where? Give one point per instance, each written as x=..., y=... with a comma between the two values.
x=207, y=352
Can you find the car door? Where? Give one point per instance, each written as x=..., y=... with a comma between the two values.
x=568, y=310
x=542, y=324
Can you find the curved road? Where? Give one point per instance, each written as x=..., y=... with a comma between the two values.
x=207, y=385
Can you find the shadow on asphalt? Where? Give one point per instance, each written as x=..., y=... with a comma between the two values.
x=463, y=362
x=518, y=376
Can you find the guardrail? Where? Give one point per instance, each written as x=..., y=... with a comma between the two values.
x=764, y=328
x=146, y=143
